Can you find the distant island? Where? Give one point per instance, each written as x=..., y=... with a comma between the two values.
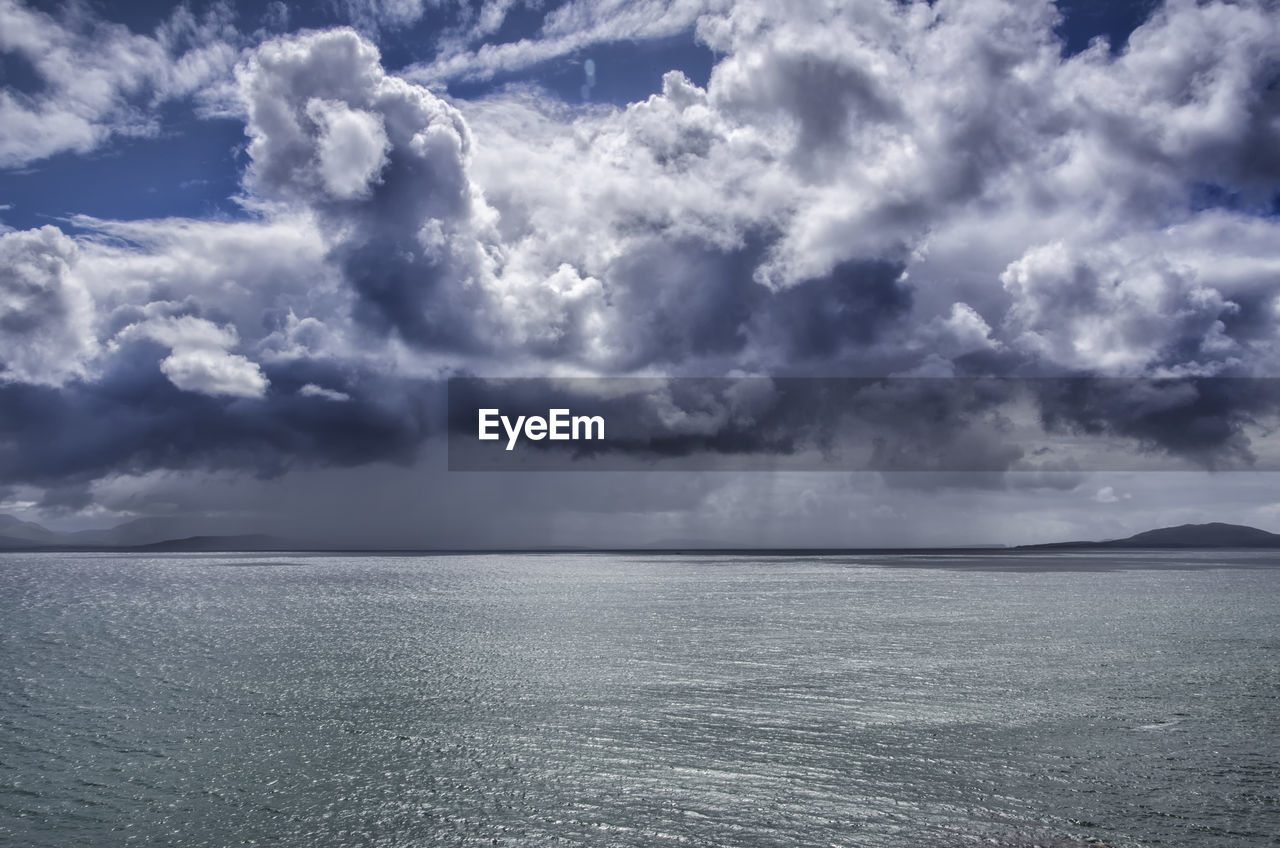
x=157, y=536
x=1214, y=535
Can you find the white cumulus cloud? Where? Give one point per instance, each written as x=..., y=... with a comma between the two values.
x=46, y=314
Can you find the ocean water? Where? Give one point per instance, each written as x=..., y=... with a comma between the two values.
x=230, y=700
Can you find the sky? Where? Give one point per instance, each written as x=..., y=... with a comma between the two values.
x=243, y=246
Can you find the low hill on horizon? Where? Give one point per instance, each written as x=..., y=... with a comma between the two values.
x=143, y=534
x=147, y=535
x=1212, y=535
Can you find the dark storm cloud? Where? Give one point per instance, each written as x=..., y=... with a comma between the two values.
x=853, y=305
x=65, y=498
x=749, y=423
x=1042, y=425
x=400, y=292
x=1202, y=419
x=688, y=299
x=134, y=420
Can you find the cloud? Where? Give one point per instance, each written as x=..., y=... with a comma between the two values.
x=1194, y=298
x=200, y=358
x=570, y=27
x=46, y=315
x=252, y=272
x=372, y=16
x=859, y=189
x=980, y=428
x=142, y=420
x=1206, y=419
x=312, y=390
x=383, y=165
x=214, y=372
x=351, y=149
x=1191, y=98
x=95, y=80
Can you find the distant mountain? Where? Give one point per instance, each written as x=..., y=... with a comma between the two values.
x=141, y=531
x=15, y=532
x=161, y=535
x=144, y=534
x=1215, y=535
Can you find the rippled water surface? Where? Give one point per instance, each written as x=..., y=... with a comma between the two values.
x=215, y=700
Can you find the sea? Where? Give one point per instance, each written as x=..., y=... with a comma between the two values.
x=962, y=699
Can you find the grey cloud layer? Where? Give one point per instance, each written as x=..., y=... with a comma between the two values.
x=869, y=188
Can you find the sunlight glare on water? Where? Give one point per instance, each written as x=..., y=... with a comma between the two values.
x=209, y=700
